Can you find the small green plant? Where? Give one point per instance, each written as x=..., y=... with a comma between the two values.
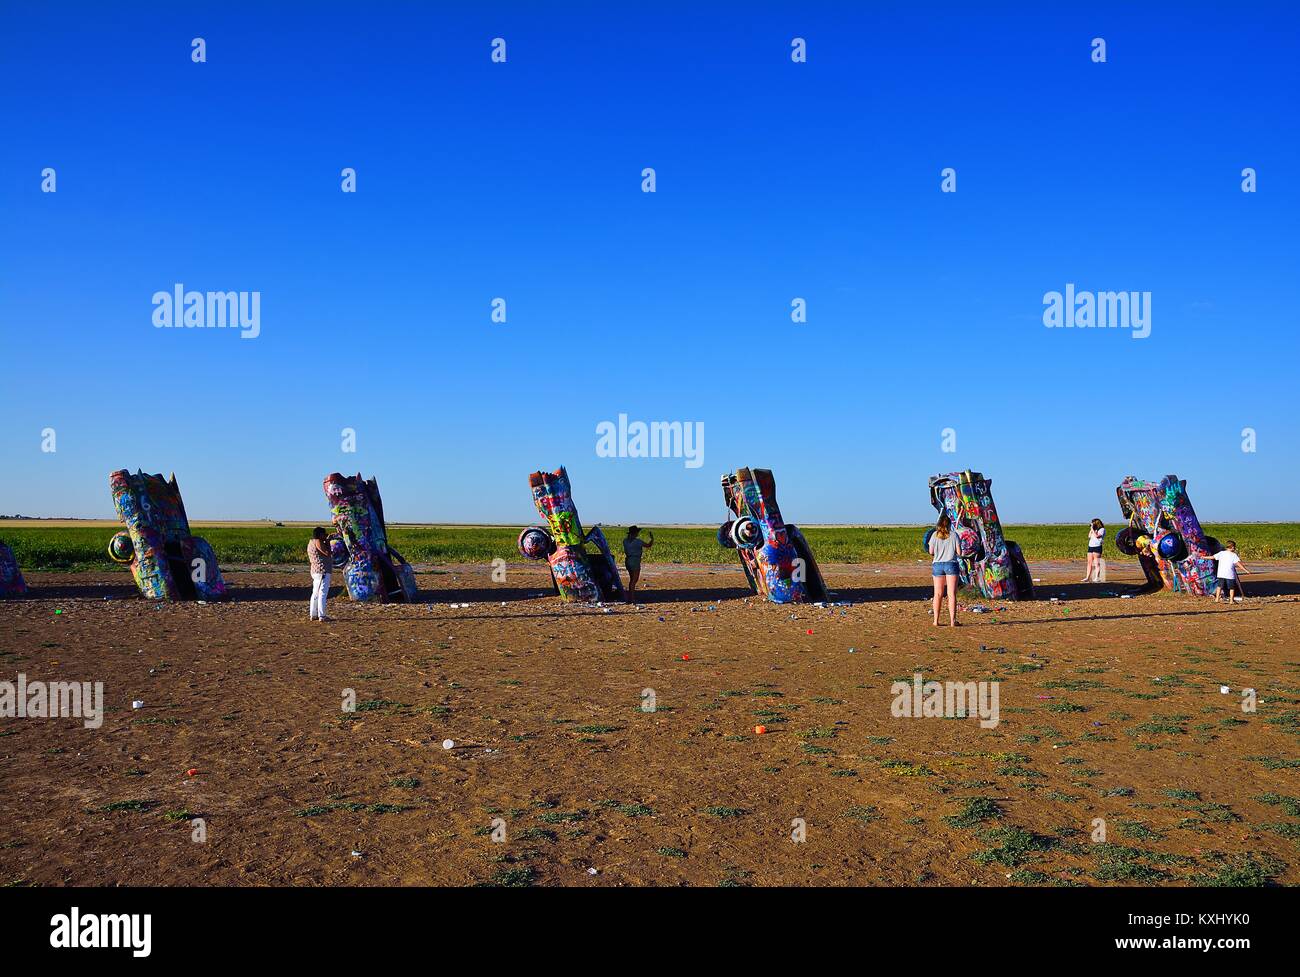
x=519, y=877
x=1138, y=831
x=864, y=814
x=138, y=806
x=1290, y=805
x=1011, y=846
x=975, y=810
x=725, y=812
x=1244, y=871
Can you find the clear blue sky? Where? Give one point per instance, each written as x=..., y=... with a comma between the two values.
x=522, y=180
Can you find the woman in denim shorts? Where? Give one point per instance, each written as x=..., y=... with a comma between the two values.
x=943, y=548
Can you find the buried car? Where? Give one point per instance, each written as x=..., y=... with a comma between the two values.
x=988, y=560
x=12, y=583
x=776, y=558
x=576, y=574
x=372, y=570
x=167, y=561
x=1165, y=535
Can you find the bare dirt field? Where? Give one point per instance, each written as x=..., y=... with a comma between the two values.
x=1110, y=709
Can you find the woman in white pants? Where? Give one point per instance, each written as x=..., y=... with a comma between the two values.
x=322, y=562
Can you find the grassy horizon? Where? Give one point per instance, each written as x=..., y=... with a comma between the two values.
x=83, y=547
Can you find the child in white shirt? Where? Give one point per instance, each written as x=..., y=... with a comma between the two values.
x=1229, y=565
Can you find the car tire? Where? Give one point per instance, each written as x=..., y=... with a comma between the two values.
x=724, y=535
x=1020, y=575
x=1125, y=541
x=746, y=533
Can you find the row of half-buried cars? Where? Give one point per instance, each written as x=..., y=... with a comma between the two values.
x=778, y=561
x=169, y=562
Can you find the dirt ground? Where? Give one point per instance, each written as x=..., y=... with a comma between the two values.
x=1110, y=709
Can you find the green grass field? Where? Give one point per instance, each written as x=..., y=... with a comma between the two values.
x=85, y=547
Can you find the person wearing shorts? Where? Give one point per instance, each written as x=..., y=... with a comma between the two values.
x=1228, y=566
x=944, y=568
x=1096, y=535
x=633, y=545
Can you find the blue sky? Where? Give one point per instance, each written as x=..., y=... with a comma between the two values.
x=775, y=180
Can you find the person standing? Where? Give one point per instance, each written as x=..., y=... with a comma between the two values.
x=633, y=545
x=322, y=562
x=1096, y=536
x=944, y=568
x=1228, y=566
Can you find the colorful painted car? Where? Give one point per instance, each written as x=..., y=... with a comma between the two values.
x=11, y=578
x=988, y=560
x=576, y=574
x=1165, y=535
x=167, y=561
x=372, y=570
x=776, y=558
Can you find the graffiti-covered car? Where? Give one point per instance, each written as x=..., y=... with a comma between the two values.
x=1165, y=535
x=12, y=583
x=776, y=558
x=167, y=561
x=988, y=560
x=576, y=574
x=372, y=570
